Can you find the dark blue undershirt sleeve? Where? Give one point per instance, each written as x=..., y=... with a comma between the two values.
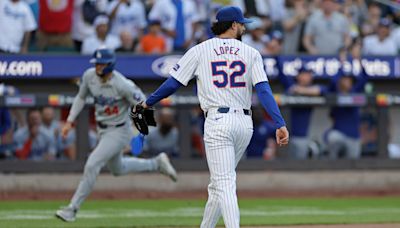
x=267, y=100
x=170, y=86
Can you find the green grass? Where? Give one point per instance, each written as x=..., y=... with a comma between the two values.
x=188, y=213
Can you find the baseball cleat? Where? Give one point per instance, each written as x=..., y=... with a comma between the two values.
x=165, y=167
x=67, y=214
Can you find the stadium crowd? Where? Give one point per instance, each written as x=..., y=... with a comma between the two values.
x=162, y=26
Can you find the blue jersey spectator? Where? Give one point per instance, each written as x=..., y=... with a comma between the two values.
x=300, y=116
x=262, y=143
x=33, y=141
x=6, y=144
x=345, y=136
x=5, y=125
x=5, y=120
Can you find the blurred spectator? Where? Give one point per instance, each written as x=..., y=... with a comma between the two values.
x=34, y=5
x=84, y=13
x=277, y=12
x=5, y=126
x=202, y=27
x=357, y=10
x=6, y=90
x=67, y=147
x=55, y=23
x=327, y=30
x=102, y=39
x=33, y=141
x=370, y=25
x=203, y=9
x=396, y=37
x=262, y=143
x=153, y=42
x=127, y=42
x=6, y=123
x=274, y=47
x=177, y=18
x=348, y=13
x=49, y=122
x=197, y=132
x=369, y=133
x=163, y=138
x=16, y=23
x=388, y=10
x=256, y=37
x=315, y=5
x=53, y=128
x=127, y=15
x=343, y=139
x=382, y=43
x=300, y=117
x=253, y=7
x=293, y=24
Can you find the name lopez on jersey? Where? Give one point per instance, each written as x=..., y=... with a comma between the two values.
x=226, y=50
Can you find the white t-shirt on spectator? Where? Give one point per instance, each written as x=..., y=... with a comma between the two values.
x=127, y=18
x=80, y=29
x=165, y=12
x=373, y=46
x=277, y=10
x=93, y=43
x=15, y=19
x=259, y=45
x=262, y=6
x=396, y=37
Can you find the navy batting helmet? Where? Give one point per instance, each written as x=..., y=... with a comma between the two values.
x=104, y=56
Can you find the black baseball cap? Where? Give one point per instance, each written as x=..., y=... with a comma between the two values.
x=232, y=13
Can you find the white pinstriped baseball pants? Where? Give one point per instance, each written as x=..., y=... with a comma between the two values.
x=226, y=137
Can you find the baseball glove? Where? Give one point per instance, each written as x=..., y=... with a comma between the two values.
x=142, y=118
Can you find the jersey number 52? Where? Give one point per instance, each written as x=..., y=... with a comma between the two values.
x=219, y=69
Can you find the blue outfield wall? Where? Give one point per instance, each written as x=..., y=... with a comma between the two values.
x=156, y=67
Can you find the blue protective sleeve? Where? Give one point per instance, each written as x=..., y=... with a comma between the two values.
x=170, y=86
x=267, y=100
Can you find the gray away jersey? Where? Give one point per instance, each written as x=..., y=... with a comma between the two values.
x=225, y=69
x=113, y=98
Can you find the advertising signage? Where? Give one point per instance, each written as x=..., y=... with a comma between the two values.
x=156, y=67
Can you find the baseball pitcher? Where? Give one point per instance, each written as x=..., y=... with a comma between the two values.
x=226, y=71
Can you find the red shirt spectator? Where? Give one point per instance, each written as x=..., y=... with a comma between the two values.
x=55, y=16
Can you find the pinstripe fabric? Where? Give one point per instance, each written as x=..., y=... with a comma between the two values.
x=226, y=71
x=196, y=63
x=226, y=138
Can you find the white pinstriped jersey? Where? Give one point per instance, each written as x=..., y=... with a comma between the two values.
x=225, y=69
